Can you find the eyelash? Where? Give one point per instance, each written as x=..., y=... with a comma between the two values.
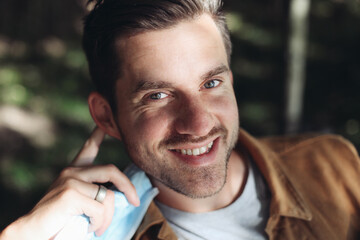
x=150, y=96
x=215, y=84
x=157, y=93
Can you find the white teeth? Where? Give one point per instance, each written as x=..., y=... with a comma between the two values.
x=195, y=151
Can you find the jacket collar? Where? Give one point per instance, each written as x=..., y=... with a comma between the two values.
x=286, y=200
x=154, y=218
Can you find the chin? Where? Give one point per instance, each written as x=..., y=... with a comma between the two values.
x=204, y=192
x=200, y=183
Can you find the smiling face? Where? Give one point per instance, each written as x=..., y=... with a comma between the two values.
x=176, y=108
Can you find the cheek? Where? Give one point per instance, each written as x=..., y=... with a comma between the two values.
x=152, y=125
x=225, y=107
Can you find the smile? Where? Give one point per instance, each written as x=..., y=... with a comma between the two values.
x=196, y=151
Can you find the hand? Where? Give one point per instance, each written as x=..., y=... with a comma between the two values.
x=73, y=194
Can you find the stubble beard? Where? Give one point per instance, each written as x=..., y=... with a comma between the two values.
x=198, y=182
x=206, y=181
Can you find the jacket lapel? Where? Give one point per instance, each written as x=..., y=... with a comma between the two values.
x=286, y=200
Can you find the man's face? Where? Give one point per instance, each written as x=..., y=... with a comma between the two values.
x=177, y=112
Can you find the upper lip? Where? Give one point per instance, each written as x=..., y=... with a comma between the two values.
x=193, y=145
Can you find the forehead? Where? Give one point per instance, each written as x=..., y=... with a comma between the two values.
x=188, y=49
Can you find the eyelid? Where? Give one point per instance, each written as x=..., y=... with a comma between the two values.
x=213, y=79
x=147, y=97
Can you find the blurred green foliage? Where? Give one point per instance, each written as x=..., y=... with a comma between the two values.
x=43, y=74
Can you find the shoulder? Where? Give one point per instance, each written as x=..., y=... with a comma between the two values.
x=323, y=168
x=330, y=160
x=312, y=144
x=327, y=162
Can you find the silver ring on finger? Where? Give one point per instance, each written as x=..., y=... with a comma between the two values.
x=101, y=194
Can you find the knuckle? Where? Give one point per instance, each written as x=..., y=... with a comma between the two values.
x=111, y=168
x=66, y=172
x=67, y=194
x=69, y=183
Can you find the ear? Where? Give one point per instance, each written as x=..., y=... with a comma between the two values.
x=102, y=114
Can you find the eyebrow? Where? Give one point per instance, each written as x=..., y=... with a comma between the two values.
x=213, y=72
x=147, y=85
x=144, y=85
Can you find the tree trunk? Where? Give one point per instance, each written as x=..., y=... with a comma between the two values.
x=296, y=56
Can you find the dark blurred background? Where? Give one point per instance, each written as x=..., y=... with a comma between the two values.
x=44, y=83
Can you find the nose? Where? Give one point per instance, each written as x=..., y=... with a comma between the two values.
x=194, y=118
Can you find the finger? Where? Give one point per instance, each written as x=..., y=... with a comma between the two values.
x=87, y=154
x=92, y=209
x=83, y=195
x=110, y=173
x=71, y=184
x=100, y=214
x=109, y=203
x=99, y=225
x=89, y=190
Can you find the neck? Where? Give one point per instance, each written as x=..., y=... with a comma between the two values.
x=235, y=182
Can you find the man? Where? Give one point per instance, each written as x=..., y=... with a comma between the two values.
x=164, y=88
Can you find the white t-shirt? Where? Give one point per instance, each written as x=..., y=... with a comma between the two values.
x=244, y=219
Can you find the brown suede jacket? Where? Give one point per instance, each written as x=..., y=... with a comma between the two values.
x=315, y=187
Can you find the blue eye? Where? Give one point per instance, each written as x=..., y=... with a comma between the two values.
x=211, y=83
x=158, y=96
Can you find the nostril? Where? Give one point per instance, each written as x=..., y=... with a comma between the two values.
x=193, y=118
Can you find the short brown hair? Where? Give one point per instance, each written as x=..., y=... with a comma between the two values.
x=111, y=19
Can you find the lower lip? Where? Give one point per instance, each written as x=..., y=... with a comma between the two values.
x=200, y=160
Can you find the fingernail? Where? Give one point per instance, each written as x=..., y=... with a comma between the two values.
x=136, y=202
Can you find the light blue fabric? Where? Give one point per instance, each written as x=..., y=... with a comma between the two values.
x=126, y=219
